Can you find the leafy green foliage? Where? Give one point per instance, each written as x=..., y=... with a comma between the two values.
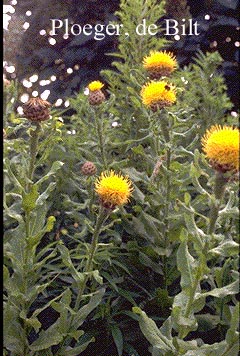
x=156, y=264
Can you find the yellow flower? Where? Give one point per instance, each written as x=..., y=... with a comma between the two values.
x=158, y=95
x=221, y=146
x=96, y=96
x=96, y=85
x=159, y=64
x=113, y=189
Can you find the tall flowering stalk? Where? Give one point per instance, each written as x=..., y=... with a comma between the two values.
x=113, y=190
x=96, y=98
x=158, y=95
x=24, y=262
x=36, y=111
x=221, y=147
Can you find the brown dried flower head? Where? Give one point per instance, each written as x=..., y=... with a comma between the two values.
x=36, y=110
x=88, y=169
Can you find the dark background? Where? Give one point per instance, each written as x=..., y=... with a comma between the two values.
x=31, y=52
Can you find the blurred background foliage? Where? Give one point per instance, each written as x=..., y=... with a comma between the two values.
x=64, y=65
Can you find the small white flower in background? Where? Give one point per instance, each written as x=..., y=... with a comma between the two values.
x=234, y=114
x=86, y=91
x=184, y=80
x=115, y=124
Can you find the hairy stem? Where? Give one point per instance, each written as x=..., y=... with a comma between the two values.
x=89, y=266
x=197, y=280
x=33, y=152
x=219, y=190
x=102, y=216
x=166, y=135
x=100, y=135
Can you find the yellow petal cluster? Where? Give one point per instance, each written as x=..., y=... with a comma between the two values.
x=221, y=146
x=95, y=85
x=160, y=59
x=113, y=189
x=158, y=94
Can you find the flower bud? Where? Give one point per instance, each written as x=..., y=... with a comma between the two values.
x=36, y=110
x=96, y=96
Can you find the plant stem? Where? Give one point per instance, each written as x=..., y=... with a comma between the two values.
x=166, y=135
x=153, y=122
x=165, y=127
x=219, y=190
x=197, y=279
x=33, y=152
x=100, y=220
x=99, y=129
x=102, y=216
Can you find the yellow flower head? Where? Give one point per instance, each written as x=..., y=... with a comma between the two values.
x=221, y=146
x=96, y=85
x=113, y=189
x=158, y=95
x=159, y=64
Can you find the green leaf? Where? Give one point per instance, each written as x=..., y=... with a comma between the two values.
x=185, y=264
x=15, y=248
x=47, y=338
x=63, y=307
x=43, y=197
x=195, y=174
x=6, y=274
x=34, y=322
x=226, y=249
x=38, y=219
x=232, y=333
x=55, y=167
x=78, y=277
x=29, y=199
x=166, y=328
x=190, y=348
x=78, y=349
x=82, y=313
x=207, y=321
x=158, y=351
x=14, y=336
x=97, y=276
x=197, y=234
x=146, y=261
x=118, y=338
x=50, y=223
x=188, y=323
x=151, y=331
x=76, y=334
x=13, y=178
x=187, y=198
x=39, y=310
x=12, y=213
x=230, y=289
